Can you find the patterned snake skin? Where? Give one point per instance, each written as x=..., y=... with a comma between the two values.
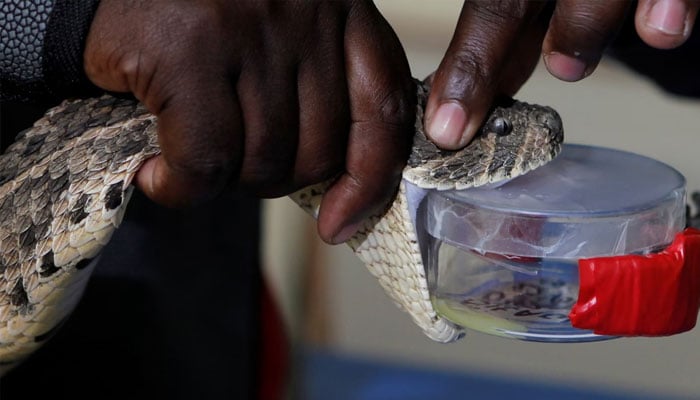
x=65, y=184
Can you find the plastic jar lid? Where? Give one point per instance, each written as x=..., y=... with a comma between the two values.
x=589, y=201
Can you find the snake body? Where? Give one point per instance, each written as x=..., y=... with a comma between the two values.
x=66, y=181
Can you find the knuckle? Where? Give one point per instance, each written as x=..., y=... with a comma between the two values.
x=196, y=17
x=470, y=70
x=395, y=106
x=189, y=28
x=267, y=175
x=318, y=171
x=186, y=182
x=584, y=24
x=586, y=27
x=137, y=68
x=376, y=190
x=207, y=169
x=269, y=160
x=495, y=12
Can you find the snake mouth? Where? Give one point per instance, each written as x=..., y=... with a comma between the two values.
x=553, y=122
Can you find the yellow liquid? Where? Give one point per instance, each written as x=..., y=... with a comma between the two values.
x=478, y=321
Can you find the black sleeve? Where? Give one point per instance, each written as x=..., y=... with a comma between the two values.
x=41, y=49
x=676, y=71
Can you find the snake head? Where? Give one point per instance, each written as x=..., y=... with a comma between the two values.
x=515, y=120
x=515, y=138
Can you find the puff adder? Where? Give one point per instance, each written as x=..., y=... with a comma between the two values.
x=65, y=184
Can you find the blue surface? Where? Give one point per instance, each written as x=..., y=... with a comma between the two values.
x=329, y=376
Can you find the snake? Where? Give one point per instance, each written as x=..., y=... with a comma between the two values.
x=66, y=181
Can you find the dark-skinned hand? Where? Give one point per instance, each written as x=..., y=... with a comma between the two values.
x=497, y=44
x=263, y=96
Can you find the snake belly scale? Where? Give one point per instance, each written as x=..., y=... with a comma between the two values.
x=66, y=181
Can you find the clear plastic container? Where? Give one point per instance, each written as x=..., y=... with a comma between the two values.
x=504, y=260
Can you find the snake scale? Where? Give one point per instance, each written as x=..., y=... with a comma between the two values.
x=66, y=181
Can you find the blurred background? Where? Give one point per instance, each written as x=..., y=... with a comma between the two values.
x=351, y=342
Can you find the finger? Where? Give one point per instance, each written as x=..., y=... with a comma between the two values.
x=324, y=119
x=525, y=55
x=271, y=115
x=665, y=24
x=470, y=74
x=382, y=105
x=199, y=131
x=578, y=33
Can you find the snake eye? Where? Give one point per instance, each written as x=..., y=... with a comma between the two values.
x=500, y=126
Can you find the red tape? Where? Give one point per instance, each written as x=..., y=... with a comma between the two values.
x=633, y=295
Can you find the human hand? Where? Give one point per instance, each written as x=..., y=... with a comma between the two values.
x=264, y=96
x=496, y=47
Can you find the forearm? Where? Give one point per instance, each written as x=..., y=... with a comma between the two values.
x=41, y=48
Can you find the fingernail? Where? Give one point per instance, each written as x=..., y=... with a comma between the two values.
x=565, y=67
x=145, y=177
x=668, y=16
x=346, y=233
x=446, y=126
